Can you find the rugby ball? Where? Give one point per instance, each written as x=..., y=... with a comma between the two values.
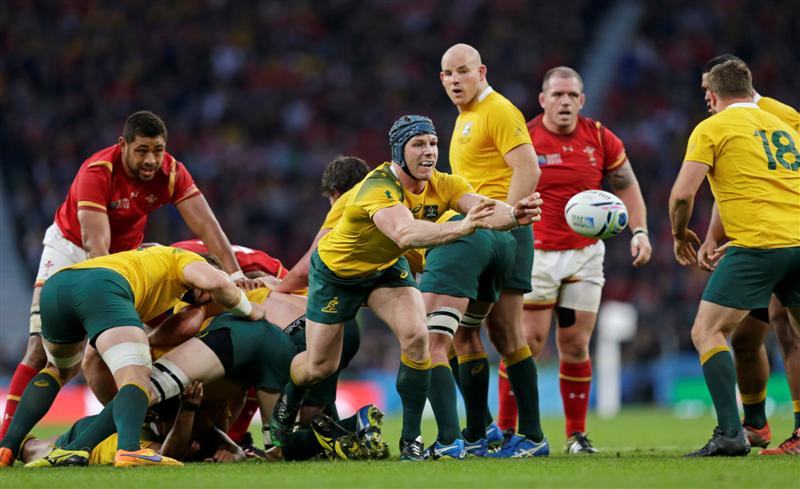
x=596, y=214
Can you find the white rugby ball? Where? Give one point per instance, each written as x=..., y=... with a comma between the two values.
x=596, y=214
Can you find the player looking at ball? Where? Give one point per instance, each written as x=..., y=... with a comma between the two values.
x=751, y=160
x=575, y=154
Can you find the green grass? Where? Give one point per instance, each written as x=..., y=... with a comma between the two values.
x=640, y=448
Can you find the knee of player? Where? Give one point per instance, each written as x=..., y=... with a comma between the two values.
x=414, y=340
x=322, y=368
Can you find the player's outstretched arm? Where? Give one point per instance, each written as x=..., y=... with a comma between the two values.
x=506, y=217
x=624, y=183
x=201, y=220
x=681, y=202
x=297, y=278
x=95, y=232
x=399, y=225
x=177, y=328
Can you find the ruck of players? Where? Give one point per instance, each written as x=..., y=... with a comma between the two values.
x=186, y=344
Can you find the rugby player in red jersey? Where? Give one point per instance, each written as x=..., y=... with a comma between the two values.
x=106, y=211
x=575, y=154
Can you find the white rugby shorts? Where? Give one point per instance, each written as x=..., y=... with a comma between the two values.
x=571, y=279
x=58, y=252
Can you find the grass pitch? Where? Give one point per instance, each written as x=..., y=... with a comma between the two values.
x=640, y=448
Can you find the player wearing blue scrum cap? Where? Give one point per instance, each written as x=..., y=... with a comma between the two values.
x=393, y=209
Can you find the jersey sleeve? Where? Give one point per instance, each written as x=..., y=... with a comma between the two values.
x=701, y=145
x=613, y=149
x=181, y=184
x=93, y=186
x=376, y=193
x=507, y=128
x=183, y=258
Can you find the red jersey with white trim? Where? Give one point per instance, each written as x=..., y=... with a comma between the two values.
x=250, y=260
x=570, y=163
x=102, y=186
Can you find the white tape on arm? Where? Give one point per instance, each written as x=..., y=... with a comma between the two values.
x=243, y=308
x=237, y=275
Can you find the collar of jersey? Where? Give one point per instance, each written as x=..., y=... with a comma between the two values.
x=485, y=93
x=748, y=105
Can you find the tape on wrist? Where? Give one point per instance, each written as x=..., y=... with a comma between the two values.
x=237, y=275
x=243, y=308
x=514, y=218
x=640, y=231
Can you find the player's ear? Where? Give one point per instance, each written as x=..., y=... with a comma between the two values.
x=581, y=100
x=541, y=99
x=122, y=143
x=482, y=70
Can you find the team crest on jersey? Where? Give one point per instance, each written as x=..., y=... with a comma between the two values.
x=430, y=211
x=151, y=199
x=589, y=150
x=467, y=128
x=330, y=307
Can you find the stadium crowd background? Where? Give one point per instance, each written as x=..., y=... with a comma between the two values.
x=259, y=96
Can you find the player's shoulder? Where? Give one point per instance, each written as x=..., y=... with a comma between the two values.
x=535, y=123
x=105, y=159
x=496, y=103
x=381, y=178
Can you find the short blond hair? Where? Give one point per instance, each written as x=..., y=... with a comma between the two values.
x=561, y=72
x=731, y=79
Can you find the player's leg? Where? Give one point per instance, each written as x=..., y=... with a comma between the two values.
x=97, y=375
x=505, y=332
x=473, y=374
x=58, y=252
x=403, y=310
x=752, y=374
x=63, y=364
x=444, y=315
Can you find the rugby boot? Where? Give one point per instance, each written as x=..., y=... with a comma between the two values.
x=789, y=447
x=369, y=420
x=723, y=446
x=579, y=443
x=477, y=448
x=758, y=437
x=494, y=436
x=142, y=458
x=282, y=421
x=450, y=451
x=61, y=458
x=411, y=450
x=337, y=441
x=522, y=447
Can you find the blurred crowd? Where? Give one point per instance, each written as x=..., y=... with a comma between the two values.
x=259, y=96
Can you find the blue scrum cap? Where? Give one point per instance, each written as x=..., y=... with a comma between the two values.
x=404, y=129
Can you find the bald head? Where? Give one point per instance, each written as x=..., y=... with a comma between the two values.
x=463, y=75
x=461, y=54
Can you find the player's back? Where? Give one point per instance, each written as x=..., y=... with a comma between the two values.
x=754, y=174
x=155, y=275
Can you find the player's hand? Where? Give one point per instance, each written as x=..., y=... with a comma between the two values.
x=193, y=395
x=248, y=284
x=641, y=250
x=258, y=312
x=476, y=217
x=268, y=281
x=529, y=209
x=223, y=455
x=708, y=256
x=684, y=247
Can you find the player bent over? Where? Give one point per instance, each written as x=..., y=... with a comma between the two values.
x=389, y=212
x=757, y=189
x=108, y=299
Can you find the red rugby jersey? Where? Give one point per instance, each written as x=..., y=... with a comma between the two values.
x=101, y=185
x=249, y=259
x=570, y=164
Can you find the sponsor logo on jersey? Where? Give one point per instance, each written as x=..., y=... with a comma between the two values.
x=403, y=274
x=467, y=128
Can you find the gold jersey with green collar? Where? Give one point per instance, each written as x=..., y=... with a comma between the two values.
x=484, y=133
x=355, y=247
x=155, y=275
x=754, y=175
x=784, y=112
